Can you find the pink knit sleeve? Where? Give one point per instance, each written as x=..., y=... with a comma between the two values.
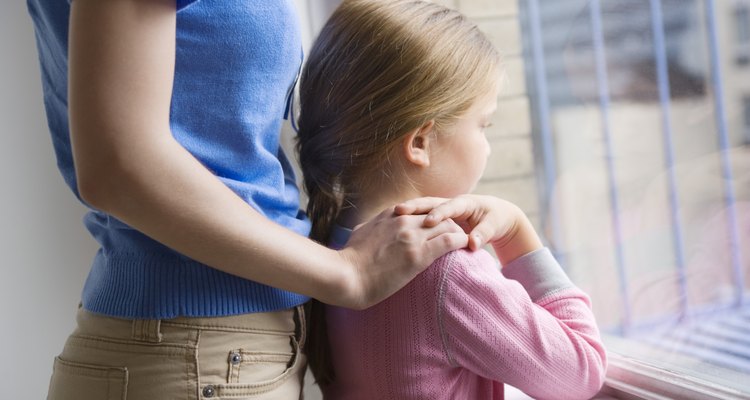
x=535, y=331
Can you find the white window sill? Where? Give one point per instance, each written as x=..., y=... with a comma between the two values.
x=633, y=377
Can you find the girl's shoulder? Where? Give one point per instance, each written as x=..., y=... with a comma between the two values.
x=464, y=263
x=464, y=258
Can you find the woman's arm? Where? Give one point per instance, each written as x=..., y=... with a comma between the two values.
x=121, y=68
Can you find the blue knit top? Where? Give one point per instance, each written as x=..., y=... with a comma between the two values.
x=236, y=63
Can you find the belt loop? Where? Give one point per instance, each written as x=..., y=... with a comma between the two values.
x=301, y=325
x=147, y=330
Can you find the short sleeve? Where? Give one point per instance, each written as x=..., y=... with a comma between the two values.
x=184, y=3
x=179, y=4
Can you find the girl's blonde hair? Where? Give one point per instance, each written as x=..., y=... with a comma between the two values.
x=378, y=70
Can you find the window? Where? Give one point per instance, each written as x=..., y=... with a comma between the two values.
x=638, y=120
x=742, y=32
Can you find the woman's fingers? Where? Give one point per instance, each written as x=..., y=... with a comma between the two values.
x=464, y=209
x=437, y=209
x=421, y=205
x=412, y=226
x=391, y=249
x=485, y=218
x=444, y=243
x=445, y=226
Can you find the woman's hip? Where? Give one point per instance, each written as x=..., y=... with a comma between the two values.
x=251, y=355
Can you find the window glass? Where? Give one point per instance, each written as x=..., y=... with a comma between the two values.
x=742, y=23
x=641, y=166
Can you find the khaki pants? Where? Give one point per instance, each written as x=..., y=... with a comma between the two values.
x=252, y=356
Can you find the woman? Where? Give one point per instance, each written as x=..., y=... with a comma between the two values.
x=165, y=121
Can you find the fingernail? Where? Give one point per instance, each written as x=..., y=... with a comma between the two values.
x=477, y=240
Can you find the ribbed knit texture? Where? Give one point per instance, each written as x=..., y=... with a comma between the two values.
x=235, y=64
x=461, y=329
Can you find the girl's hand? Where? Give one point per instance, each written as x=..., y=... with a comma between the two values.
x=486, y=219
x=390, y=250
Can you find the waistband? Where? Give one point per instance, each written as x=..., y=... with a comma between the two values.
x=289, y=322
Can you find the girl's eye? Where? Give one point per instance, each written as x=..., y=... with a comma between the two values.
x=487, y=125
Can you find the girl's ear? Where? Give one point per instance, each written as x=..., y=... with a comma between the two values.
x=416, y=145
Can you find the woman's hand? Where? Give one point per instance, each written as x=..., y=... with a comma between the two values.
x=390, y=250
x=486, y=219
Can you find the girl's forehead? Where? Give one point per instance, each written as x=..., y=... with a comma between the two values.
x=486, y=103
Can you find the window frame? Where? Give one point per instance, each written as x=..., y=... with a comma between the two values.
x=629, y=377
x=631, y=374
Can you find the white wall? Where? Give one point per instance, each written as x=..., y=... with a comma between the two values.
x=46, y=252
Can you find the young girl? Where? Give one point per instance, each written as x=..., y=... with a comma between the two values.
x=395, y=99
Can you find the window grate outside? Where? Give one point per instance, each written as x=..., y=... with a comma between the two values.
x=723, y=340
x=613, y=65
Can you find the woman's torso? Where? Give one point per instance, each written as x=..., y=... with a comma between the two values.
x=236, y=62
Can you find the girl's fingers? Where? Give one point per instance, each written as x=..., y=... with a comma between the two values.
x=481, y=234
x=458, y=208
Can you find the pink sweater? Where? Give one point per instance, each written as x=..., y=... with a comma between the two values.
x=462, y=328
